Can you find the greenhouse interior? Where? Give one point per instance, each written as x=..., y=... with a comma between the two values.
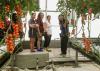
x=49, y=35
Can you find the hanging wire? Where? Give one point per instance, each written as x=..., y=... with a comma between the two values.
x=78, y=31
x=12, y=56
x=6, y=33
x=14, y=42
x=3, y=50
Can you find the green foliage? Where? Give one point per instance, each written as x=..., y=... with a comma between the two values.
x=80, y=6
x=33, y=5
x=63, y=6
x=30, y=5
x=27, y=5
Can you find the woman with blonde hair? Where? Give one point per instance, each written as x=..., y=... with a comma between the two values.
x=48, y=32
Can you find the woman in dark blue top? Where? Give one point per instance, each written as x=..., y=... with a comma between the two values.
x=64, y=34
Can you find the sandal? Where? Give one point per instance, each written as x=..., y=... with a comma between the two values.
x=32, y=50
x=48, y=50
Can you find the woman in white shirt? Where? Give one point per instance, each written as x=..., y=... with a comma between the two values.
x=48, y=33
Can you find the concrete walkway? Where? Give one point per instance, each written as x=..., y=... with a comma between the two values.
x=85, y=65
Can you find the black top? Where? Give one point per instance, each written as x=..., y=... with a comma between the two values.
x=32, y=31
x=31, y=21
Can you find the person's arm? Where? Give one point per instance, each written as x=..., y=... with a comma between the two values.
x=45, y=27
x=37, y=26
x=67, y=30
x=31, y=25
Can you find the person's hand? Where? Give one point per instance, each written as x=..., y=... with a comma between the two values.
x=25, y=25
x=37, y=25
x=64, y=25
x=32, y=25
x=40, y=34
x=68, y=34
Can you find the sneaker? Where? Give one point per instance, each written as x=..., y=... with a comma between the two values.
x=63, y=55
x=39, y=49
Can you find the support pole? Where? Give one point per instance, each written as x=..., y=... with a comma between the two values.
x=76, y=54
x=88, y=26
x=46, y=3
x=13, y=62
x=76, y=59
x=37, y=64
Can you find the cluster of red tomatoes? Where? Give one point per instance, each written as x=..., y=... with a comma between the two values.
x=87, y=44
x=7, y=8
x=18, y=9
x=1, y=24
x=12, y=36
x=10, y=43
x=16, y=30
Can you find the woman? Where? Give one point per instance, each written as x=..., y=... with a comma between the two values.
x=48, y=33
x=64, y=34
x=32, y=31
x=40, y=31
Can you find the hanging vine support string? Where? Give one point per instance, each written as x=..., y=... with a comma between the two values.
x=89, y=25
